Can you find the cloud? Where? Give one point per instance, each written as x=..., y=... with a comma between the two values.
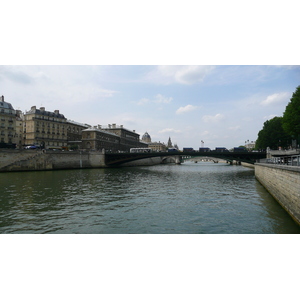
x=15, y=74
x=186, y=109
x=159, y=99
x=216, y=118
x=143, y=101
x=162, y=99
x=187, y=75
x=235, y=128
x=276, y=98
x=169, y=130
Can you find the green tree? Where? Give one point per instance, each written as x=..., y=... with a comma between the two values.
x=291, y=116
x=272, y=135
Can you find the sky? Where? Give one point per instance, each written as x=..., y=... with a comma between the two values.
x=221, y=105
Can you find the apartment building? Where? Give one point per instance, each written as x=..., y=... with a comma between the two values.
x=97, y=139
x=45, y=129
x=74, y=134
x=128, y=138
x=7, y=124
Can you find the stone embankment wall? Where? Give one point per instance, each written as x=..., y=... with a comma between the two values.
x=283, y=183
x=34, y=160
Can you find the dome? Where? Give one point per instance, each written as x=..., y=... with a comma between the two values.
x=146, y=138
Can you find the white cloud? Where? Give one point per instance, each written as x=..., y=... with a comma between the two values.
x=143, y=101
x=235, y=128
x=185, y=109
x=159, y=99
x=162, y=99
x=216, y=118
x=180, y=74
x=276, y=98
x=169, y=130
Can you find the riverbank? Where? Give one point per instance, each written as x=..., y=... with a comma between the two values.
x=38, y=160
x=283, y=183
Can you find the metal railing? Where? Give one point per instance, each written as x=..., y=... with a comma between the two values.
x=293, y=160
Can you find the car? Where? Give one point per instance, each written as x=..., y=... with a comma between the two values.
x=31, y=147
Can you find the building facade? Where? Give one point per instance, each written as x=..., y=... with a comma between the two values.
x=155, y=146
x=45, y=129
x=97, y=139
x=112, y=138
x=128, y=139
x=74, y=134
x=7, y=124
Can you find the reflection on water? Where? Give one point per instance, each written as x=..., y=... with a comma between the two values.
x=188, y=198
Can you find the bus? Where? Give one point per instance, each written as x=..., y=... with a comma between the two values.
x=140, y=150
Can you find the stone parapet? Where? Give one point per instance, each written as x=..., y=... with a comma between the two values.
x=283, y=183
x=33, y=160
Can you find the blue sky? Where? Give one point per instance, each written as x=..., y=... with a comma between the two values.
x=223, y=105
x=211, y=71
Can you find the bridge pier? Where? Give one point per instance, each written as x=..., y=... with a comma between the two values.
x=178, y=160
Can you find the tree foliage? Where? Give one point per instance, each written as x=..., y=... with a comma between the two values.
x=273, y=135
x=291, y=116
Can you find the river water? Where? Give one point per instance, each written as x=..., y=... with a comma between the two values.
x=203, y=198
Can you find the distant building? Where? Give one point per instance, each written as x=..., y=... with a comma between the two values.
x=204, y=149
x=44, y=128
x=250, y=145
x=7, y=125
x=157, y=147
x=74, y=134
x=146, y=138
x=112, y=138
x=169, y=144
x=128, y=139
x=97, y=139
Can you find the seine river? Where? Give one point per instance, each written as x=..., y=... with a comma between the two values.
x=203, y=198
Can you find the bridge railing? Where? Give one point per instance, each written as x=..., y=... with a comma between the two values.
x=293, y=160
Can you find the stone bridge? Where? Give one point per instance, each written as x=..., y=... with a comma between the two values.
x=116, y=159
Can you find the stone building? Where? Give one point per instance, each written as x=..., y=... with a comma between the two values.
x=112, y=138
x=74, y=134
x=155, y=146
x=19, y=129
x=7, y=124
x=146, y=138
x=97, y=139
x=170, y=145
x=128, y=139
x=45, y=129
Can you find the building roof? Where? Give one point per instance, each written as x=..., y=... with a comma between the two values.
x=99, y=130
x=6, y=105
x=44, y=112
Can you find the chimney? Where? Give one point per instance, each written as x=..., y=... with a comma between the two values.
x=2, y=98
x=56, y=112
x=113, y=125
x=109, y=126
x=33, y=107
x=42, y=108
x=121, y=126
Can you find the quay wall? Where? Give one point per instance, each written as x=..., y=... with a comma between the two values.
x=34, y=160
x=283, y=183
